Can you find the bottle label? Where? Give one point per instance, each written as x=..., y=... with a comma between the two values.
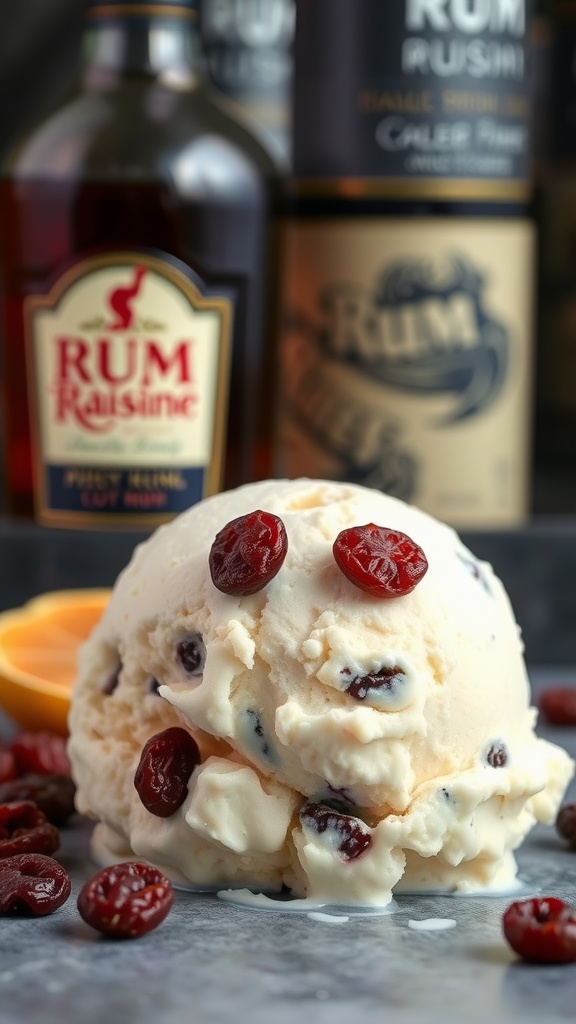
x=427, y=91
x=405, y=361
x=129, y=362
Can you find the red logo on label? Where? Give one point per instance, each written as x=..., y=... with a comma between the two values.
x=100, y=380
x=120, y=301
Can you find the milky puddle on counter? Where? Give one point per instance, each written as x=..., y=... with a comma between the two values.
x=321, y=910
x=317, y=909
x=432, y=924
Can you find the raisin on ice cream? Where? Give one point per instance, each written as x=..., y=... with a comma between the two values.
x=312, y=685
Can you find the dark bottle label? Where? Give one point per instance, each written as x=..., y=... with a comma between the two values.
x=426, y=91
x=129, y=360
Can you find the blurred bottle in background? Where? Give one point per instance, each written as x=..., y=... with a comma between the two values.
x=406, y=347
x=134, y=249
x=541, y=35
x=249, y=50
x=556, y=208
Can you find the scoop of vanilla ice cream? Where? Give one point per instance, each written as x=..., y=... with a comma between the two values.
x=428, y=782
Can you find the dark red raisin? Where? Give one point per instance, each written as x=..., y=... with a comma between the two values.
x=166, y=764
x=566, y=824
x=126, y=900
x=25, y=829
x=248, y=553
x=41, y=752
x=497, y=756
x=383, y=562
x=541, y=929
x=385, y=680
x=191, y=654
x=8, y=768
x=32, y=884
x=53, y=794
x=558, y=705
x=351, y=834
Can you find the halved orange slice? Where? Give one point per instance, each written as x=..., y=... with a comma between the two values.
x=38, y=649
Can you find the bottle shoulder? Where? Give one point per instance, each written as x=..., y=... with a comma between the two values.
x=144, y=130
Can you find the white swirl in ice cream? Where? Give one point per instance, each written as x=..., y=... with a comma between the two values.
x=351, y=746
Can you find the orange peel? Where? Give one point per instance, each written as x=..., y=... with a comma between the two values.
x=38, y=650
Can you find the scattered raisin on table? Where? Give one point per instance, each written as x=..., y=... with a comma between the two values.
x=541, y=929
x=8, y=768
x=32, y=884
x=126, y=900
x=566, y=824
x=25, y=829
x=43, y=753
x=558, y=705
x=53, y=794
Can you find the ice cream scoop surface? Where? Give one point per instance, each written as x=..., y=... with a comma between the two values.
x=351, y=745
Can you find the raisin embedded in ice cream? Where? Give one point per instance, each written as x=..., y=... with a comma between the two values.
x=347, y=737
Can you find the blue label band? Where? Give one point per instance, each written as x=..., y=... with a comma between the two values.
x=133, y=493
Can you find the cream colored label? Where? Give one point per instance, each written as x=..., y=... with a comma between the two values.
x=129, y=370
x=406, y=361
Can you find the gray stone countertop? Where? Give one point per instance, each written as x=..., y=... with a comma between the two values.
x=215, y=963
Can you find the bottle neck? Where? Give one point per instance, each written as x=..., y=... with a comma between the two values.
x=156, y=46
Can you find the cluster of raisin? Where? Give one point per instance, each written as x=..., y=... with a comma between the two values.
x=36, y=800
x=34, y=766
x=249, y=552
x=543, y=929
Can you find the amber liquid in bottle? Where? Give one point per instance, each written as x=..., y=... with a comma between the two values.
x=141, y=161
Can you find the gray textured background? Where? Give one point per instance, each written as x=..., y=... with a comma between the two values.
x=38, y=59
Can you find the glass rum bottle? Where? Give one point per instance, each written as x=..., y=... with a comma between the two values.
x=135, y=234
x=407, y=300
